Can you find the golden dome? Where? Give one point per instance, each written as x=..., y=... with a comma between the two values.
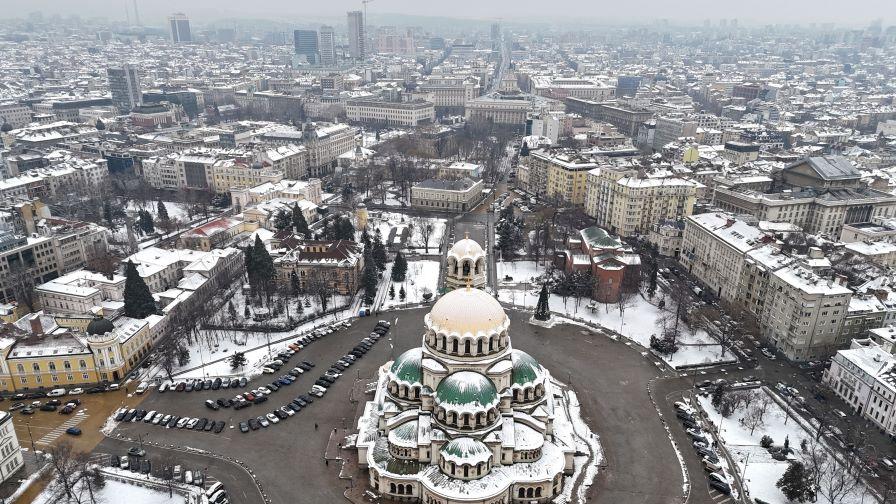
x=467, y=310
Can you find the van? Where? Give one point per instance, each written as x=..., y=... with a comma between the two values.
x=177, y=472
x=56, y=392
x=188, y=477
x=141, y=388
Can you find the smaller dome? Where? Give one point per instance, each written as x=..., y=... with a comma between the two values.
x=465, y=450
x=466, y=248
x=525, y=368
x=468, y=389
x=407, y=366
x=99, y=326
x=465, y=311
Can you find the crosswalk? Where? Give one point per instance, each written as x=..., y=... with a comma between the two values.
x=54, y=434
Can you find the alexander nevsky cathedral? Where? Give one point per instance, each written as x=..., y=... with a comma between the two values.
x=465, y=417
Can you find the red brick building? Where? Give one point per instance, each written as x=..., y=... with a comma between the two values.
x=613, y=265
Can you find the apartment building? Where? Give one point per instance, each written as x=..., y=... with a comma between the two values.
x=669, y=129
x=804, y=313
x=449, y=92
x=628, y=205
x=713, y=250
x=446, y=195
x=10, y=451
x=759, y=263
x=626, y=119
x=863, y=376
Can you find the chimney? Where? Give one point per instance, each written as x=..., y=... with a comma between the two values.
x=37, y=328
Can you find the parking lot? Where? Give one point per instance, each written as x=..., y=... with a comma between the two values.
x=610, y=377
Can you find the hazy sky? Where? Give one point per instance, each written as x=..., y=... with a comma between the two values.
x=692, y=11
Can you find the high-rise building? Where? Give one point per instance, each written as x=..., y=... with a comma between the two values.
x=306, y=44
x=180, y=28
x=124, y=83
x=356, y=35
x=327, y=46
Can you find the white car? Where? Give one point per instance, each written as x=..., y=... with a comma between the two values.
x=76, y=391
x=188, y=477
x=264, y=390
x=272, y=418
x=141, y=388
x=192, y=423
x=288, y=411
x=267, y=370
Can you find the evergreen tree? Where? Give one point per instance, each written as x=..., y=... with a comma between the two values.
x=145, y=222
x=237, y=360
x=282, y=220
x=402, y=294
x=100, y=125
x=162, y=212
x=262, y=271
x=391, y=292
x=231, y=311
x=379, y=253
x=345, y=230
x=369, y=279
x=246, y=312
x=294, y=283
x=365, y=239
x=796, y=483
x=299, y=223
x=651, y=285
x=108, y=216
x=542, y=310
x=138, y=301
x=399, y=268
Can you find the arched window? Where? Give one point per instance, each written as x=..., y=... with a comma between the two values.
x=83, y=364
x=392, y=488
x=454, y=345
x=491, y=343
x=52, y=366
x=21, y=368
x=466, y=471
x=416, y=392
x=36, y=367
x=529, y=492
x=479, y=347
x=466, y=347
x=67, y=365
x=466, y=268
x=538, y=491
x=522, y=493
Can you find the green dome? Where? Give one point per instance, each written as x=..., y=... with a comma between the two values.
x=100, y=326
x=407, y=366
x=525, y=368
x=466, y=388
x=466, y=449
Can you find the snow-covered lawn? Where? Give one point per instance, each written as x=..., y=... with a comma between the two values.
x=310, y=306
x=637, y=323
x=176, y=210
x=116, y=491
x=519, y=271
x=421, y=276
x=758, y=470
x=386, y=221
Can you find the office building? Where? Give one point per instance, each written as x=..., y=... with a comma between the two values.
x=327, y=46
x=356, y=35
x=179, y=26
x=306, y=45
x=124, y=84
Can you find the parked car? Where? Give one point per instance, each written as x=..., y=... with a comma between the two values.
x=263, y=422
x=253, y=424
x=272, y=418
x=136, y=451
x=720, y=486
x=76, y=391
x=244, y=427
x=73, y=431
x=212, y=405
x=141, y=388
x=56, y=392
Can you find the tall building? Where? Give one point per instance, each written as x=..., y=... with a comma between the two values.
x=327, y=46
x=10, y=451
x=180, y=28
x=124, y=83
x=306, y=45
x=356, y=35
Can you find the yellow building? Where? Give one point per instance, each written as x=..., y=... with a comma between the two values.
x=65, y=358
x=560, y=175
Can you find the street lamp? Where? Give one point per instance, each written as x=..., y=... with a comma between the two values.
x=28, y=424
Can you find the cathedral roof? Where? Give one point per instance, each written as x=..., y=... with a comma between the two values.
x=466, y=248
x=406, y=367
x=466, y=450
x=468, y=390
x=525, y=368
x=467, y=310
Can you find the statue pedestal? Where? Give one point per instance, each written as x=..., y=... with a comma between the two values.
x=543, y=323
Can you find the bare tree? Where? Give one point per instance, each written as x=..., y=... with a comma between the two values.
x=752, y=418
x=318, y=284
x=425, y=227
x=21, y=280
x=626, y=299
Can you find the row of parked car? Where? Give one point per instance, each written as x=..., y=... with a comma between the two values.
x=703, y=445
x=320, y=386
x=162, y=419
x=300, y=343
x=199, y=384
x=260, y=394
x=67, y=408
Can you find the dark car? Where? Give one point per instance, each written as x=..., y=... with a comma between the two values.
x=306, y=398
x=73, y=431
x=173, y=421
x=121, y=414
x=216, y=384
x=260, y=399
x=219, y=426
x=243, y=381
x=718, y=485
x=322, y=383
x=114, y=461
x=180, y=387
x=96, y=390
x=209, y=426
x=129, y=415
x=140, y=414
x=309, y=364
x=238, y=405
x=253, y=424
x=68, y=409
x=200, y=424
x=27, y=410
x=274, y=387
x=328, y=378
x=188, y=387
x=295, y=406
x=207, y=385
x=212, y=405
x=146, y=467
x=48, y=407
x=234, y=382
x=689, y=424
x=244, y=427
x=136, y=451
x=281, y=415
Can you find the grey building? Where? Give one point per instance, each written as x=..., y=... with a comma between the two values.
x=179, y=26
x=327, y=46
x=124, y=84
x=357, y=37
x=305, y=42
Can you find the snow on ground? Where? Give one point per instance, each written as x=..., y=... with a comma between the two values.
x=386, y=221
x=758, y=470
x=519, y=271
x=310, y=305
x=421, y=276
x=116, y=491
x=637, y=323
x=176, y=210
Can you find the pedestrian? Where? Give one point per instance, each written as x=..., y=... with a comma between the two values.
x=327, y=462
x=315, y=426
x=126, y=390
